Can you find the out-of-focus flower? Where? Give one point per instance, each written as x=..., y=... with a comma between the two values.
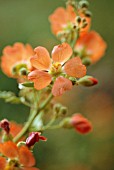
x=81, y=124
x=64, y=19
x=33, y=138
x=91, y=45
x=48, y=71
x=16, y=60
x=20, y=158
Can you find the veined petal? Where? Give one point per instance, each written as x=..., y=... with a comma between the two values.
x=61, y=53
x=61, y=85
x=2, y=163
x=75, y=68
x=9, y=149
x=41, y=60
x=26, y=157
x=41, y=79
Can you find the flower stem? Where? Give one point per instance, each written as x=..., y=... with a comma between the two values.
x=33, y=113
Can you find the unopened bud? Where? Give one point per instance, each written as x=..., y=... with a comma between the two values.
x=88, y=14
x=81, y=124
x=84, y=25
x=23, y=72
x=86, y=61
x=4, y=124
x=33, y=138
x=88, y=81
x=78, y=19
x=84, y=4
x=63, y=111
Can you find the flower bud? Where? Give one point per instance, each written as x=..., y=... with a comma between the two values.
x=66, y=123
x=87, y=81
x=86, y=61
x=81, y=124
x=78, y=19
x=4, y=124
x=88, y=14
x=84, y=4
x=33, y=138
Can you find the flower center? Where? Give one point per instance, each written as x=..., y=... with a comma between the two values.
x=56, y=68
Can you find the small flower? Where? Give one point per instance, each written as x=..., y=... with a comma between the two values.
x=48, y=71
x=91, y=45
x=33, y=138
x=64, y=19
x=81, y=124
x=20, y=158
x=16, y=59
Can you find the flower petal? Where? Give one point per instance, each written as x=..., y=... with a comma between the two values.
x=42, y=59
x=58, y=22
x=2, y=163
x=94, y=44
x=75, y=68
x=61, y=53
x=41, y=79
x=26, y=157
x=9, y=149
x=61, y=85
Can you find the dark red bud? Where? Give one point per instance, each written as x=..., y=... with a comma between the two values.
x=4, y=124
x=33, y=138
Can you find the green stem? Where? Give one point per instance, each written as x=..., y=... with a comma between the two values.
x=33, y=113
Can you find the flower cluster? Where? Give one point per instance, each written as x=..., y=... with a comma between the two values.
x=42, y=76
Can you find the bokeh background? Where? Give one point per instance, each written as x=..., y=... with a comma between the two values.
x=27, y=21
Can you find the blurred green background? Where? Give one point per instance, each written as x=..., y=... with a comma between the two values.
x=27, y=21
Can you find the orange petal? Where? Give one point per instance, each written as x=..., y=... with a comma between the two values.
x=61, y=85
x=26, y=157
x=94, y=44
x=71, y=14
x=2, y=163
x=41, y=79
x=9, y=149
x=75, y=68
x=42, y=59
x=61, y=53
x=58, y=22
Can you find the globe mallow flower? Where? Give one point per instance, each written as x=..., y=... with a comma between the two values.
x=55, y=70
x=64, y=19
x=19, y=158
x=15, y=60
x=91, y=46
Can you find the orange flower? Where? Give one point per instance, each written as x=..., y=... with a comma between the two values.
x=16, y=58
x=81, y=124
x=63, y=19
x=91, y=45
x=20, y=158
x=47, y=70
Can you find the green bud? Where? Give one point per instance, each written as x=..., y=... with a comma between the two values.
x=6, y=137
x=88, y=14
x=78, y=19
x=84, y=4
x=86, y=61
x=63, y=111
x=87, y=81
